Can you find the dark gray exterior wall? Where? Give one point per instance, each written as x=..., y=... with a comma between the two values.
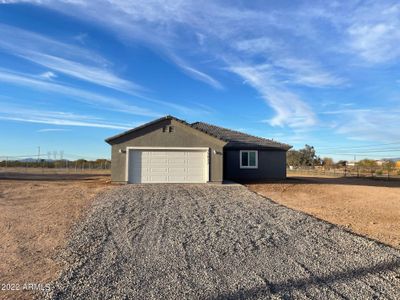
x=153, y=136
x=271, y=165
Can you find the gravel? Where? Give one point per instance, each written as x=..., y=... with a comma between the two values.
x=217, y=242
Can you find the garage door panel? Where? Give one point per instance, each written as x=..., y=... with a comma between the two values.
x=159, y=158
x=154, y=153
x=191, y=178
x=176, y=178
x=196, y=164
x=177, y=161
x=155, y=170
x=176, y=154
x=174, y=166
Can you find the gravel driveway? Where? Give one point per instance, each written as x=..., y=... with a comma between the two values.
x=217, y=242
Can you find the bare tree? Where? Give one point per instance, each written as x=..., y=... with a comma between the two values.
x=327, y=162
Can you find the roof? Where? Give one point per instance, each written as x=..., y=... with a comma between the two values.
x=237, y=139
x=114, y=137
x=234, y=139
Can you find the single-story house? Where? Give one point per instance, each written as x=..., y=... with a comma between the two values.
x=171, y=150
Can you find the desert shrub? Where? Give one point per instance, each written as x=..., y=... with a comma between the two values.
x=378, y=172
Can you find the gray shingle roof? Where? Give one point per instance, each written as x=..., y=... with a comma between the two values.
x=236, y=139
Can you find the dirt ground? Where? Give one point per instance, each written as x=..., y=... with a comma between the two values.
x=365, y=206
x=36, y=215
x=37, y=212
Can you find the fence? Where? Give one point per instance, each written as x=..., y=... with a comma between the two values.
x=359, y=172
x=56, y=167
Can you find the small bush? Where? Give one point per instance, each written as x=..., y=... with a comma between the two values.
x=378, y=172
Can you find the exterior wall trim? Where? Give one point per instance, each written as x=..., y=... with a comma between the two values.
x=167, y=148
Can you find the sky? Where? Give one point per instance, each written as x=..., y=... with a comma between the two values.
x=323, y=73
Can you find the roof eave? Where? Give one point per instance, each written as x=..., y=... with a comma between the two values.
x=117, y=136
x=259, y=147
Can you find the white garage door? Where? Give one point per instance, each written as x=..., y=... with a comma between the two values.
x=174, y=166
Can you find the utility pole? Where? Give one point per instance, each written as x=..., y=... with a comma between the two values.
x=355, y=162
x=38, y=156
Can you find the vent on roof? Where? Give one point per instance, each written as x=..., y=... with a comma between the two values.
x=168, y=129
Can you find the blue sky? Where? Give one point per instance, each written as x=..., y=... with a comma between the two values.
x=325, y=73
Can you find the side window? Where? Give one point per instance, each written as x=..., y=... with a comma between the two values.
x=248, y=159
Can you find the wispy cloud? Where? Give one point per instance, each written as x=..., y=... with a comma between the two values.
x=195, y=109
x=61, y=57
x=290, y=109
x=375, y=36
x=20, y=114
x=48, y=75
x=52, y=130
x=191, y=71
x=307, y=73
x=92, y=74
x=202, y=76
x=368, y=124
x=100, y=101
x=257, y=46
x=150, y=22
x=83, y=64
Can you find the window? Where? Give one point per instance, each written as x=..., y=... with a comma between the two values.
x=171, y=128
x=248, y=159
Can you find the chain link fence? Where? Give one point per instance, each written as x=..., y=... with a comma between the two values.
x=376, y=172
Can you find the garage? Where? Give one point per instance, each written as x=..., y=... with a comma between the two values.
x=167, y=165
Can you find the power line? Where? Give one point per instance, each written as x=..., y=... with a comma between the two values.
x=82, y=156
x=49, y=154
x=29, y=155
x=357, y=147
x=369, y=155
x=364, y=152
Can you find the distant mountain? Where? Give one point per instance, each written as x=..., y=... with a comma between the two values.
x=28, y=160
x=392, y=159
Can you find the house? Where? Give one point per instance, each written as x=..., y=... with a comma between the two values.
x=171, y=150
x=380, y=162
x=351, y=163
